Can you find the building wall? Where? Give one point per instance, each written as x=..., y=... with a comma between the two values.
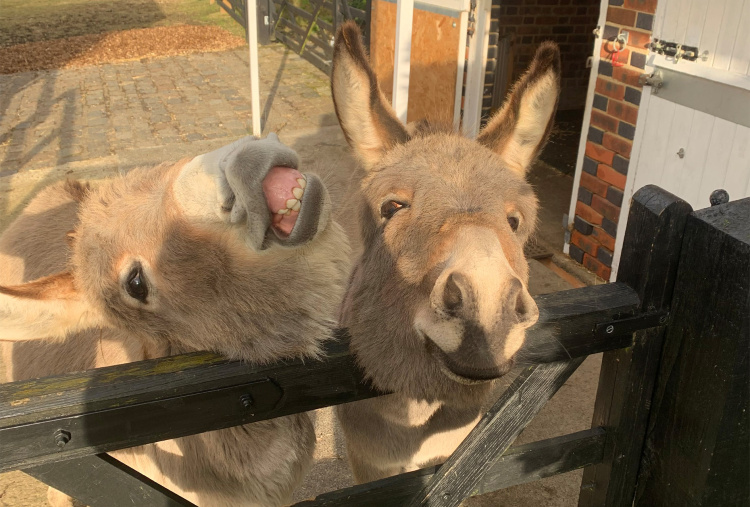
x=530, y=22
x=610, y=136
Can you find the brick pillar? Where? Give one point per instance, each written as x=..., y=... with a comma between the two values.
x=610, y=136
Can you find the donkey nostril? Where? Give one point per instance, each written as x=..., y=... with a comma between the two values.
x=452, y=296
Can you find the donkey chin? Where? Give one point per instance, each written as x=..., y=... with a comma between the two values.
x=467, y=350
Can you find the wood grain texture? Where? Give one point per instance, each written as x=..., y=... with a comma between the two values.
x=698, y=446
x=122, y=406
x=103, y=481
x=434, y=47
x=462, y=473
x=519, y=464
x=650, y=256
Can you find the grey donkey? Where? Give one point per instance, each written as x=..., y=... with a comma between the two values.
x=437, y=305
x=233, y=251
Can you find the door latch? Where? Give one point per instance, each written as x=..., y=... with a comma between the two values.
x=654, y=80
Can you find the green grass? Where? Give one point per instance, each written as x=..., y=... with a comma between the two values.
x=38, y=20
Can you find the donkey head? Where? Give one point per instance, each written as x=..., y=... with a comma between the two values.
x=232, y=251
x=439, y=298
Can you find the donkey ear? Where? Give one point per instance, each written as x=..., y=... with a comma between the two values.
x=49, y=307
x=520, y=129
x=368, y=121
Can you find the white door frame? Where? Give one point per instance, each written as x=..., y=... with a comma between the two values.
x=595, y=59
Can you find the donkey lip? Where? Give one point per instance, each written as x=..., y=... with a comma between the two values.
x=465, y=374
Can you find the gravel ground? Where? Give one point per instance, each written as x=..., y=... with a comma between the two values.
x=113, y=47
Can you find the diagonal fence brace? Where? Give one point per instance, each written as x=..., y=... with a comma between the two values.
x=463, y=471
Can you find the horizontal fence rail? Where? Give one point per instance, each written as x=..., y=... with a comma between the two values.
x=518, y=465
x=79, y=414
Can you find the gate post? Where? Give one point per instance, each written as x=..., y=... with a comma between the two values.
x=648, y=264
x=698, y=447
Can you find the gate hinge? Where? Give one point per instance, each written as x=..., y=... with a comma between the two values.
x=654, y=80
x=631, y=324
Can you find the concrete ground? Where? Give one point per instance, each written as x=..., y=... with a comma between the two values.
x=97, y=122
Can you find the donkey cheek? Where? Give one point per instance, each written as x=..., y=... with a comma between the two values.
x=513, y=343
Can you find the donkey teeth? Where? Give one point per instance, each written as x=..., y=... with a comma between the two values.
x=302, y=182
x=297, y=206
x=298, y=192
x=290, y=203
x=282, y=211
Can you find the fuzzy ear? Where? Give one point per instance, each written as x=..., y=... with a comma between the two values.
x=368, y=121
x=519, y=130
x=49, y=307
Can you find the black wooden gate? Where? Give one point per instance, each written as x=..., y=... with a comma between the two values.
x=670, y=424
x=308, y=27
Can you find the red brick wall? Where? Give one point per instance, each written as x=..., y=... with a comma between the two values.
x=610, y=136
x=530, y=22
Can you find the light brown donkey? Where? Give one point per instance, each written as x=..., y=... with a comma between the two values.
x=233, y=251
x=438, y=304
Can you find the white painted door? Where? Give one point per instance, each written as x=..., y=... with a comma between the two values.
x=693, y=133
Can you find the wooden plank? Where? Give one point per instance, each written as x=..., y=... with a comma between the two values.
x=653, y=156
x=698, y=444
x=462, y=473
x=710, y=33
x=672, y=172
x=518, y=465
x=697, y=23
x=650, y=256
x=738, y=167
x=740, y=62
x=122, y=406
x=717, y=159
x=103, y=481
x=696, y=159
x=727, y=34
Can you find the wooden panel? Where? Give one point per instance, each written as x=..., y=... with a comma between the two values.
x=122, y=406
x=653, y=153
x=741, y=54
x=738, y=168
x=696, y=159
x=697, y=22
x=672, y=171
x=432, y=82
x=710, y=31
x=103, y=481
x=730, y=24
x=649, y=263
x=717, y=159
x=520, y=464
x=697, y=451
x=716, y=153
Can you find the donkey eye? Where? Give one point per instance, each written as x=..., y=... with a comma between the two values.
x=513, y=222
x=389, y=208
x=136, y=284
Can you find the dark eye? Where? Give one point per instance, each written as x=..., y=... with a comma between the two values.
x=513, y=222
x=389, y=208
x=136, y=284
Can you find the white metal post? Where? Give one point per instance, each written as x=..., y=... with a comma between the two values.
x=252, y=35
x=402, y=57
x=476, y=69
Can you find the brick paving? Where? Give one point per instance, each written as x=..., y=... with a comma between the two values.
x=50, y=118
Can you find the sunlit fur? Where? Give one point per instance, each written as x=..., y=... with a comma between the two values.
x=208, y=291
x=438, y=304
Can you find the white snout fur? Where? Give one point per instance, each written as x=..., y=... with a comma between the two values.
x=477, y=255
